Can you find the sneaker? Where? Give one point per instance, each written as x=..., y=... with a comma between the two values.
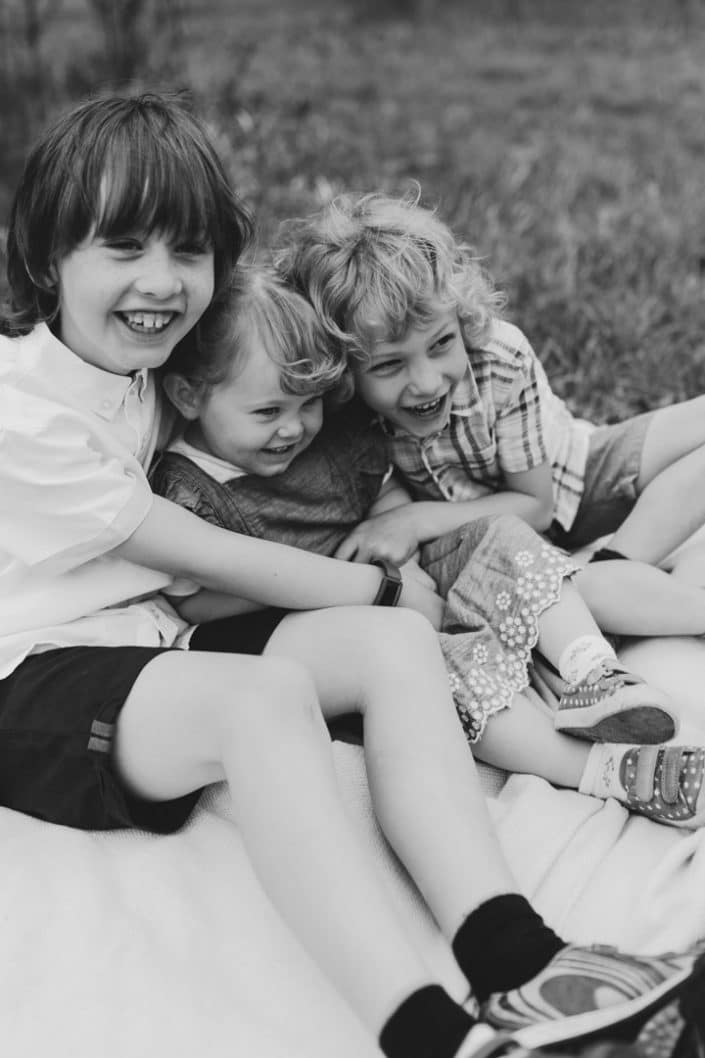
x=588, y=993
x=665, y=783
x=614, y=705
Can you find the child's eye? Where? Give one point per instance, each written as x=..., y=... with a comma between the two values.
x=195, y=248
x=124, y=244
x=268, y=413
x=385, y=367
x=445, y=340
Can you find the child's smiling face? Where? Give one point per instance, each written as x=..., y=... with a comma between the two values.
x=249, y=421
x=410, y=382
x=124, y=302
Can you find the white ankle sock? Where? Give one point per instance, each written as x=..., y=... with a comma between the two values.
x=600, y=777
x=582, y=655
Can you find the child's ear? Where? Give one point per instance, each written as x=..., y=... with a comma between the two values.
x=184, y=395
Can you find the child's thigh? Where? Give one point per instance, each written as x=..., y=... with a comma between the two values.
x=192, y=718
x=612, y=479
x=672, y=433
x=357, y=653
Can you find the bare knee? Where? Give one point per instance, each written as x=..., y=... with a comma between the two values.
x=395, y=637
x=280, y=695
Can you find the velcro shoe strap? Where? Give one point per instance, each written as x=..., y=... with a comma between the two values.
x=647, y=762
x=671, y=767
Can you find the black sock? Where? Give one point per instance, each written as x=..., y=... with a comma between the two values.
x=429, y=1024
x=607, y=554
x=503, y=944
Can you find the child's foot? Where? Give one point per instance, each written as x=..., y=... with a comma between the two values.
x=613, y=705
x=598, y=993
x=664, y=783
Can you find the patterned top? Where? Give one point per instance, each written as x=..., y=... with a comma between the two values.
x=504, y=419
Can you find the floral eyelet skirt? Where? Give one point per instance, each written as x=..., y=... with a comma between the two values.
x=497, y=576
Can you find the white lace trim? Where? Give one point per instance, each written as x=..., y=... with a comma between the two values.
x=492, y=681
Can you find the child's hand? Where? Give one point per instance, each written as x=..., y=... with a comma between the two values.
x=390, y=535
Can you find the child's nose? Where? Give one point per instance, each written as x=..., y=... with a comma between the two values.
x=425, y=378
x=159, y=276
x=291, y=429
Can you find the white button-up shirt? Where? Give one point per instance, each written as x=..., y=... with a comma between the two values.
x=75, y=442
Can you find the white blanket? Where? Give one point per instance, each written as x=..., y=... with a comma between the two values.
x=125, y=945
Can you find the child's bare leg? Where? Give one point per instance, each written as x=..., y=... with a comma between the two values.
x=671, y=504
x=426, y=795
x=564, y=622
x=602, y=701
x=192, y=719
x=637, y=599
x=426, y=791
x=688, y=564
x=523, y=739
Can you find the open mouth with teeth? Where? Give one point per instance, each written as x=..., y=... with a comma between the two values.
x=280, y=450
x=428, y=410
x=147, y=322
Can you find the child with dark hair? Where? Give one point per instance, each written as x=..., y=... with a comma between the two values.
x=113, y=713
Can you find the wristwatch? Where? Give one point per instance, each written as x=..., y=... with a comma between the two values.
x=391, y=586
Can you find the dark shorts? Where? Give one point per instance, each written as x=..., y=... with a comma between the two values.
x=58, y=716
x=610, y=486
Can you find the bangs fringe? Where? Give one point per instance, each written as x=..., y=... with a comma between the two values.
x=151, y=189
x=119, y=165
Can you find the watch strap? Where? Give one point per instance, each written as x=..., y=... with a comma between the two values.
x=390, y=589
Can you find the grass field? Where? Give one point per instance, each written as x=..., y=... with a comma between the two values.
x=565, y=141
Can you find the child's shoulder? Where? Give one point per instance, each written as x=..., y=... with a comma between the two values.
x=20, y=350
x=41, y=361
x=506, y=343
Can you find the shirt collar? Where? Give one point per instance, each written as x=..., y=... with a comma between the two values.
x=57, y=369
x=212, y=465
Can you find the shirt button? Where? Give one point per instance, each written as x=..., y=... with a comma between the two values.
x=106, y=405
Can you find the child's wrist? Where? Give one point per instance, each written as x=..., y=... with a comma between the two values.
x=391, y=585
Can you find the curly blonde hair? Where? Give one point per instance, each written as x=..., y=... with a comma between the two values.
x=258, y=301
x=373, y=263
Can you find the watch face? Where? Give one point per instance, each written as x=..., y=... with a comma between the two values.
x=391, y=586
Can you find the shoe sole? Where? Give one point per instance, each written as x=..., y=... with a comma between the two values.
x=681, y=1002
x=644, y=725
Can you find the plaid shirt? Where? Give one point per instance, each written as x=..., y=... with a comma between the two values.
x=504, y=419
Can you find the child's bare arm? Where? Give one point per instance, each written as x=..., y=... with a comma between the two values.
x=175, y=541
x=207, y=605
x=397, y=527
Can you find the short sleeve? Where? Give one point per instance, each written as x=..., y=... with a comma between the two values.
x=69, y=490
